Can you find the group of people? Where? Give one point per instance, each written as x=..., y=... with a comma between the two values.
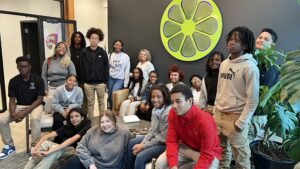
x=202, y=126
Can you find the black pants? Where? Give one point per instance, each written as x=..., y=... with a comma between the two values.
x=58, y=122
x=73, y=163
x=144, y=115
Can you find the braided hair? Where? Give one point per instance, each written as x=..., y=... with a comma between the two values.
x=139, y=80
x=246, y=38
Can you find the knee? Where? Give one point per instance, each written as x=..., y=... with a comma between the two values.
x=161, y=162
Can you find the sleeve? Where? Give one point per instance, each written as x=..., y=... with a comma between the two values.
x=12, y=89
x=203, y=97
x=78, y=98
x=71, y=69
x=252, y=91
x=106, y=66
x=40, y=87
x=145, y=94
x=60, y=132
x=130, y=92
x=142, y=90
x=207, y=141
x=45, y=73
x=172, y=141
x=159, y=138
x=55, y=102
x=81, y=65
x=85, y=128
x=82, y=151
x=127, y=71
x=150, y=67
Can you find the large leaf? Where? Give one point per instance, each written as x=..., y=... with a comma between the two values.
x=281, y=121
x=291, y=80
x=292, y=145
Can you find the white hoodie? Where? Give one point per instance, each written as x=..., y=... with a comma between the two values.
x=238, y=88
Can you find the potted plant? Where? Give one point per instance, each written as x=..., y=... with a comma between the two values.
x=281, y=103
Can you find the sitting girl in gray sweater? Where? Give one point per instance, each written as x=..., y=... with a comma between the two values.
x=103, y=146
x=65, y=98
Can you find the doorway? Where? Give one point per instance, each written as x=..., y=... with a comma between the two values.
x=30, y=45
x=3, y=106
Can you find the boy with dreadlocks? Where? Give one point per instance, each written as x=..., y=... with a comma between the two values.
x=237, y=97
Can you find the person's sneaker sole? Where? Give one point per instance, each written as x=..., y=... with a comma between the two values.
x=2, y=158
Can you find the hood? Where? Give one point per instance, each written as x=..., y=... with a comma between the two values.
x=243, y=58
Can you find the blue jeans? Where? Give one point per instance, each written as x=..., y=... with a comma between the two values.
x=113, y=85
x=143, y=157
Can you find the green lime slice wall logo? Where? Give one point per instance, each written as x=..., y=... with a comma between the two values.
x=190, y=29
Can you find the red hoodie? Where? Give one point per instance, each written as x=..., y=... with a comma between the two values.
x=197, y=130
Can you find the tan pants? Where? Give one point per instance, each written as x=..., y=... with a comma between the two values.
x=187, y=158
x=35, y=125
x=233, y=143
x=89, y=90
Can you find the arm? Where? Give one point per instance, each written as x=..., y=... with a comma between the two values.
x=203, y=96
x=35, y=149
x=172, y=141
x=45, y=73
x=78, y=99
x=207, y=140
x=81, y=65
x=12, y=109
x=83, y=152
x=106, y=66
x=153, y=140
x=252, y=90
x=56, y=101
x=64, y=144
x=127, y=71
x=71, y=69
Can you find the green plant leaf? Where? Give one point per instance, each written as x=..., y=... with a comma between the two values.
x=281, y=121
x=292, y=145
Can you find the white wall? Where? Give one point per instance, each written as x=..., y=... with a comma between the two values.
x=88, y=13
x=10, y=29
x=91, y=13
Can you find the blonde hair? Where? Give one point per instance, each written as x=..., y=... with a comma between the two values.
x=147, y=53
x=66, y=59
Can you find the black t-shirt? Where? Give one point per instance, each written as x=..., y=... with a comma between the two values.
x=26, y=92
x=69, y=131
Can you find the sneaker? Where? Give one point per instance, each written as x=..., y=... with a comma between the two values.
x=6, y=151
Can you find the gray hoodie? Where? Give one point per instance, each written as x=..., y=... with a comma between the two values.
x=238, y=88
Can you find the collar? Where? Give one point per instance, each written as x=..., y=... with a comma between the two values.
x=190, y=114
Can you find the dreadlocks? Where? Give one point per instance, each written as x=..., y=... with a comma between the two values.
x=246, y=38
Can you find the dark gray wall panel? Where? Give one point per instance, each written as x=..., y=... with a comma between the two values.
x=137, y=23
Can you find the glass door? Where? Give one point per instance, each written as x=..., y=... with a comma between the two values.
x=3, y=106
x=54, y=30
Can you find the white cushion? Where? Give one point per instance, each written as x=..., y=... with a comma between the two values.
x=46, y=120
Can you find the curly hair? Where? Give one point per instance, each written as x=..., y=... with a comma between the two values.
x=175, y=68
x=246, y=38
x=82, y=42
x=96, y=31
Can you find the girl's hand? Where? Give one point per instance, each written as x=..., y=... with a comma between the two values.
x=35, y=152
x=137, y=148
x=44, y=153
x=93, y=166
